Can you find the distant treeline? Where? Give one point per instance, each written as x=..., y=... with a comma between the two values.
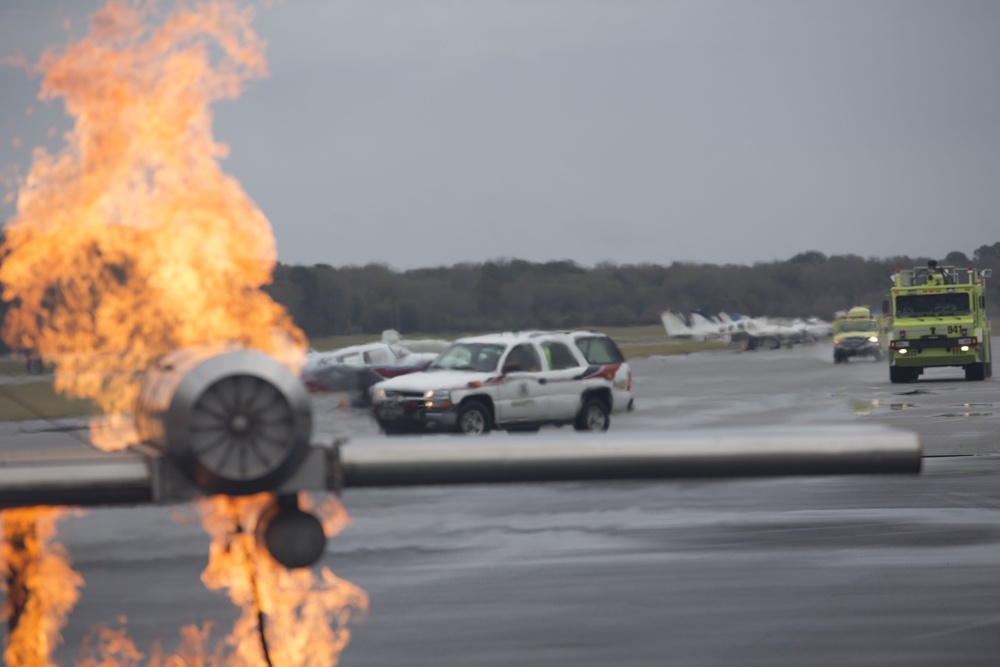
x=516, y=294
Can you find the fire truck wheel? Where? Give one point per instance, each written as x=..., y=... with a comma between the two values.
x=975, y=372
x=897, y=374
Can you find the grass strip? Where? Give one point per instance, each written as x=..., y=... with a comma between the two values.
x=38, y=400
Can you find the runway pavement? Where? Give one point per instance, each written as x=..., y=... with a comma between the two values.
x=869, y=570
x=819, y=571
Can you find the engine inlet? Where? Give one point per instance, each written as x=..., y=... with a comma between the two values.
x=234, y=421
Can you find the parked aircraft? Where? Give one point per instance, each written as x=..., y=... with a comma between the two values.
x=698, y=326
x=354, y=369
x=747, y=332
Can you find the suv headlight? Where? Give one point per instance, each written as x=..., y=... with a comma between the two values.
x=873, y=339
x=438, y=394
x=378, y=393
x=437, y=398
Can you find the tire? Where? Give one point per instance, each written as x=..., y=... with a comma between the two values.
x=593, y=416
x=899, y=375
x=392, y=429
x=839, y=357
x=473, y=419
x=975, y=372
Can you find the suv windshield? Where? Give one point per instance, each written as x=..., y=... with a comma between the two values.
x=480, y=357
x=932, y=305
x=599, y=350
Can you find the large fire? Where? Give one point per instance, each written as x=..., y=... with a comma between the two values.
x=131, y=242
x=301, y=620
x=308, y=616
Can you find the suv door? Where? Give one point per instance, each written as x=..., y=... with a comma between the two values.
x=601, y=351
x=562, y=388
x=520, y=396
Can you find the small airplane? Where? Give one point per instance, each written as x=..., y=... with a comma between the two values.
x=355, y=368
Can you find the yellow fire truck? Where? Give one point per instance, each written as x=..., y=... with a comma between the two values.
x=939, y=319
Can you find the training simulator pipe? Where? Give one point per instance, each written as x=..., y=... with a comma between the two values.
x=82, y=476
x=631, y=455
x=77, y=476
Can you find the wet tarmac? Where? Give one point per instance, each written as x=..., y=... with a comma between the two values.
x=868, y=570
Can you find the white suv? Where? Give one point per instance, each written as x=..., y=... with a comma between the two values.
x=515, y=381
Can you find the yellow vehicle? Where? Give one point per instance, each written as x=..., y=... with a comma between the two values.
x=857, y=334
x=939, y=319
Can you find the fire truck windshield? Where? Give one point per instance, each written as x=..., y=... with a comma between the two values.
x=933, y=305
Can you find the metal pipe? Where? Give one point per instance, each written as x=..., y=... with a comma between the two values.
x=89, y=477
x=630, y=455
x=76, y=476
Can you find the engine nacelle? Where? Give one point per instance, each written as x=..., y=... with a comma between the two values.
x=233, y=421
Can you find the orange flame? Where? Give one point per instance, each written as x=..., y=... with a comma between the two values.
x=40, y=585
x=131, y=241
x=304, y=620
x=308, y=615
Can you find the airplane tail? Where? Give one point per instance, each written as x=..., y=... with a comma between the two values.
x=675, y=325
x=702, y=324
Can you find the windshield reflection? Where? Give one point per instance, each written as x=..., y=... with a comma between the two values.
x=476, y=357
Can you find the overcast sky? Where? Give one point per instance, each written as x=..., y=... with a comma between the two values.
x=423, y=133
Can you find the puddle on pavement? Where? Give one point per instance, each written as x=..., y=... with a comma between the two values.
x=860, y=407
x=863, y=407
x=965, y=414
x=970, y=410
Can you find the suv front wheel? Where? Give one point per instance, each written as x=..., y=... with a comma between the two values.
x=473, y=419
x=593, y=416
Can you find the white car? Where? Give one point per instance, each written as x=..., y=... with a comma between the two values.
x=516, y=381
x=353, y=370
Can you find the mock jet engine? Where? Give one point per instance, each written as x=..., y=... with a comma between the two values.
x=235, y=422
